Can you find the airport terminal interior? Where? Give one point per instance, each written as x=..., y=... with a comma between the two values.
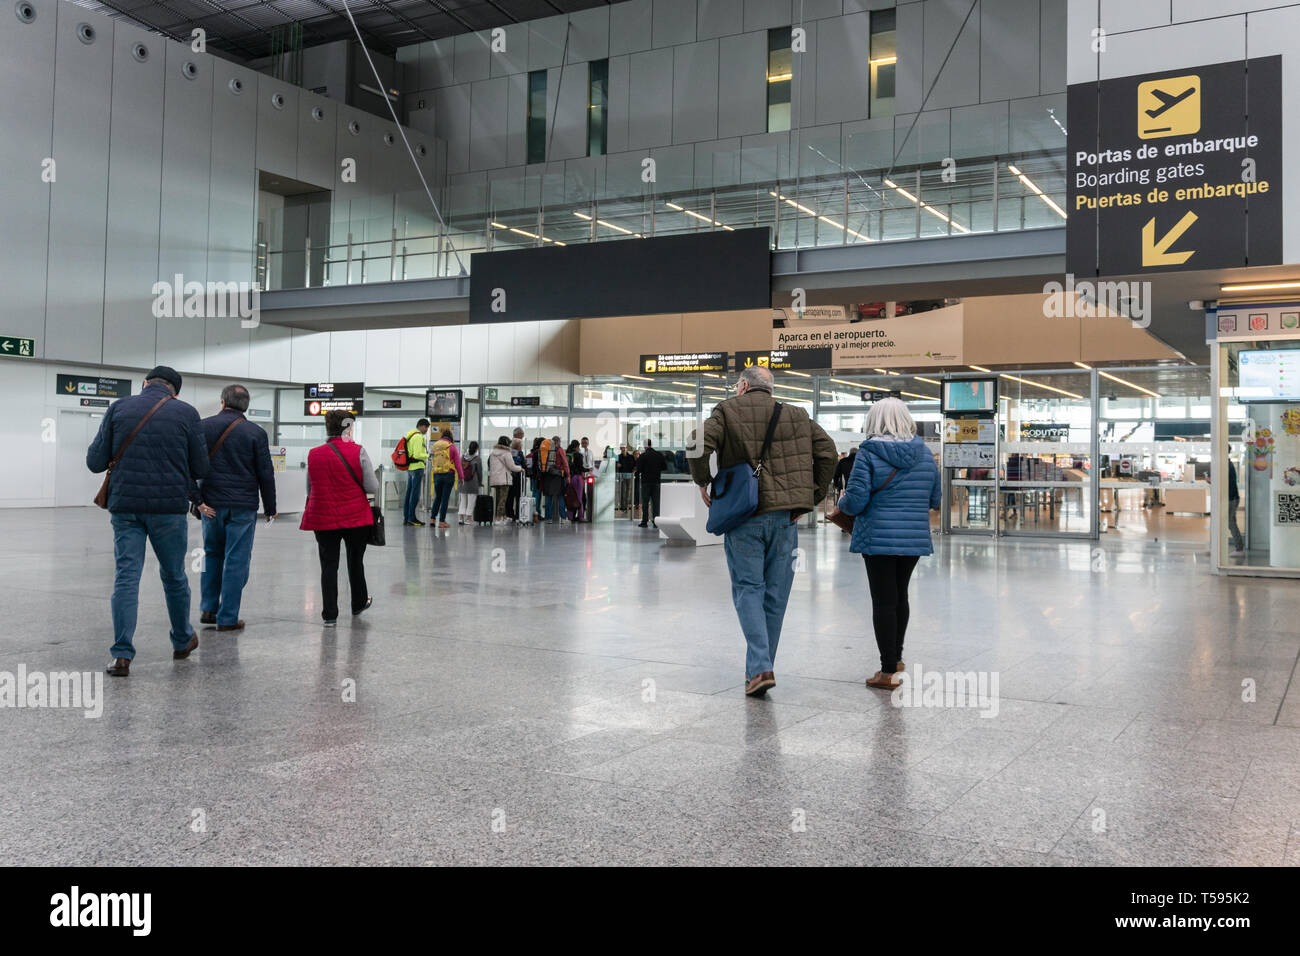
x=417, y=314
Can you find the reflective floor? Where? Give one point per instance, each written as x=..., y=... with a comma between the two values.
x=565, y=696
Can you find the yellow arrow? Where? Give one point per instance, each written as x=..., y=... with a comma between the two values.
x=1155, y=253
x=749, y=362
x=70, y=387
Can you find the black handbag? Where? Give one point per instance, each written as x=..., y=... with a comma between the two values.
x=377, y=528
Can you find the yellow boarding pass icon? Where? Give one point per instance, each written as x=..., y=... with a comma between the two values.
x=1169, y=107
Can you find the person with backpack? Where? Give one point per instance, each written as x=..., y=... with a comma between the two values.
x=413, y=450
x=576, y=502
x=502, y=470
x=470, y=484
x=892, y=489
x=553, y=470
x=516, y=481
x=447, y=470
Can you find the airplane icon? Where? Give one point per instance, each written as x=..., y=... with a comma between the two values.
x=1173, y=102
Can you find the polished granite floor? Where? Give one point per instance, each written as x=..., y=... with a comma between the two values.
x=562, y=696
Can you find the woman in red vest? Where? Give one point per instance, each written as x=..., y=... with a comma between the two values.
x=339, y=476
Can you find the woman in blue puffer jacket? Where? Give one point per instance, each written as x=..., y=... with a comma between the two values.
x=891, y=490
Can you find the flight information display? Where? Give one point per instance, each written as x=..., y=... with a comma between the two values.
x=1269, y=375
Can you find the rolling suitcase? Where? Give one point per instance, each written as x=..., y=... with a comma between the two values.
x=483, y=508
x=526, y=510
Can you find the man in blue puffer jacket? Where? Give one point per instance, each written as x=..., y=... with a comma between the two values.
x=892, y=489
x=149, y=496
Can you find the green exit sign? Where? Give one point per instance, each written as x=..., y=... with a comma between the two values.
x=13, y=345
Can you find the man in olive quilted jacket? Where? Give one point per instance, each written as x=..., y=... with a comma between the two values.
x=795, y=476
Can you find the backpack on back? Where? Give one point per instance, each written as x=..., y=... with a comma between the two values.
x=442, y=457
x=400, y=461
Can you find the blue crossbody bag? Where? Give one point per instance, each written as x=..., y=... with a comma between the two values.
x=734, y=492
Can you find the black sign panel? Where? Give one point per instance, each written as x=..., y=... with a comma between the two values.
x=319, y=406
x=392, y=403
x=702, y=272
x=335, y=390
x=779, y=360
x=1044, y=431
x=89, y=385
x=94, y=403
x=525, y=400
x=686, y=363
x=1177, y=170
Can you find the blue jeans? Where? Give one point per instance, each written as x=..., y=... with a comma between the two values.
x=414, y=488
x=442, y=486
x=227, y=554
x=555, y=507
x=760, y=558
x=170, y=539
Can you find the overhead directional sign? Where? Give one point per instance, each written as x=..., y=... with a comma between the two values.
x=1179, y=170
x=86, y=385
x=779, y=360
x=13, y=345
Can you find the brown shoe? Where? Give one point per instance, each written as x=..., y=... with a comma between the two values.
x=760, y=684
x=882, y=680
x=237, y=626
x=207, y=617
x=121, y=667
x=899, y=668
x=181, y=655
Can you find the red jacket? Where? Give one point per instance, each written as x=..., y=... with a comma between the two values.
x=334, y=499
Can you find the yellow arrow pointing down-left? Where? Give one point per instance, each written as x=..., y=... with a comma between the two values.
x=1155, y=253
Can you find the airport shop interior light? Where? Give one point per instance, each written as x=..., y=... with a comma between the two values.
x=826, y=219
x=1261, y=286
x=1050, y=388
x=1033, y=187
x=1122, y=381
x=609, y=225
x=521, y=232
x=928, y=381
x=981, y=368
x=699, y=216
x=926, y=206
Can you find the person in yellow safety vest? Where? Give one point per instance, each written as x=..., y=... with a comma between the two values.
x=417, y=453
x=447, y=471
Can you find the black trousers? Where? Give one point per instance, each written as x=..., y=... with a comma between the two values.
x=327, y=543
x=649, y=501
x=888, y=576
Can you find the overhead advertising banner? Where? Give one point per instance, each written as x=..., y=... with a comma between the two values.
x=1177, y=170
x=929, y=340
x=686, y=363
x=780, y=361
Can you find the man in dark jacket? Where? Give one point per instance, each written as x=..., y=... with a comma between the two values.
x=650, y=468
x=149, y=496
x=241, y=467
x=795, y=475
x=626, y=465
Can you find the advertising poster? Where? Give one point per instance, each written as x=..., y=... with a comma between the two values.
x=932, y=339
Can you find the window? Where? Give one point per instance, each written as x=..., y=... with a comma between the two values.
x=883, y=57
x=780, y=74
x=597, y=106
x=537, y=116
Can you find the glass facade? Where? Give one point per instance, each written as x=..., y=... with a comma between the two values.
x=780, y=79
x=883, y=62
x=536, y=133
x=597, y=107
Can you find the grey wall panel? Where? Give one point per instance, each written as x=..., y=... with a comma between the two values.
x=277, y=128
x=350, y=209
x=868, y=146
x=803, y=92
x=766, y=14
x=74, y=311
x=765, y=158
x=719, y=18
x=436, y=60
x=506, y=192
x=1009, y=36
x=910, y=33
x=981, y=130
x=1123, y=15
x=472, y=58
x=1051, y=46
x=858, y=6
x=516, y=119
x=187, y=146
x=451, y=116
x=695, y=92
x=316, y=140
x=717, y=164
x=134, y=175
x=623, y=175
x=1038, y=123
x=546, y=42
x=568, y=138
x=742, y=103
x=820, y=9
x=584, y=180
x=819, y=151
x=617, y=119
x=674, y=168
x=674, y=22
x=630, y=26
x=956, y=81
x=843, y=71
x=922, y=140
x=589, y=35
x=514, y=58
x=27, y=78
x=650, y=99
x=489, y=102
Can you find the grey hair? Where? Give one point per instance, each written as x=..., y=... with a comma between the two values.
x=236, y=397
x=759, y=378
x=890, y=418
